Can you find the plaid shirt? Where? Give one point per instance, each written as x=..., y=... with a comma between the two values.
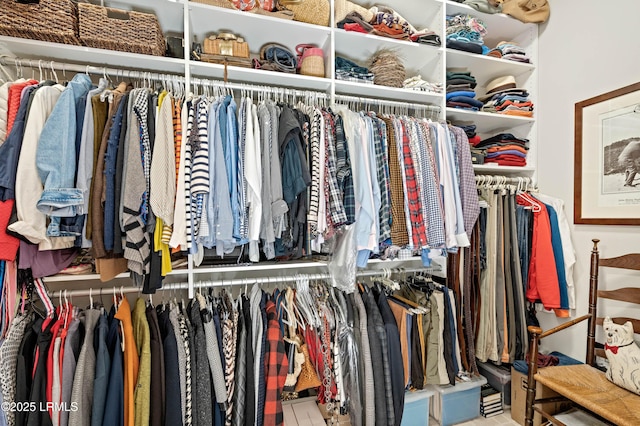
x=344, y=172
x=416, y=153
x=467, y=182
x=431, y=190
x=379, y=136
x=399, y=234
x=141, y=109
x=276, y=368
x=412, y=193
x=336, y=209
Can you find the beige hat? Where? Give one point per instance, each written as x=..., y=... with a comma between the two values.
x=501, y=83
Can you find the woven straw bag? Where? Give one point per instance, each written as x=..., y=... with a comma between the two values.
x=227, y=44
x=310, y=60
x=308, y=377
x=316, y=12
x=48, y=20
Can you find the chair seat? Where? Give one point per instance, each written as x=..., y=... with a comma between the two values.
x=588, y=387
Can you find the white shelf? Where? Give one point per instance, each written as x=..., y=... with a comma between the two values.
x=347, y=40
x=96, y=277
x=259, y=77
x=26, y=48
x=500, y=27
x=258, y=269
x=497, y=169
x=486, y=68
x=256, y=30
x=487, y=122
x=383, y=92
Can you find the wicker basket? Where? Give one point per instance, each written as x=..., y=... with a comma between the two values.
x=121, y=30
x=49, y=20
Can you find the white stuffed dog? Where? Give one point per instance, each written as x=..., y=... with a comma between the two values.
x=623, y=354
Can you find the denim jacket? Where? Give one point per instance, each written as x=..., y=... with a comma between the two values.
x=56, y=155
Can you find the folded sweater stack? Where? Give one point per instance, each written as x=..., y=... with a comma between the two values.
x=510, y=102
x=460, y=91
x=505, y=149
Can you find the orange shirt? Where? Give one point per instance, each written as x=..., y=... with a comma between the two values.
x=130, y=360
x=543, y=278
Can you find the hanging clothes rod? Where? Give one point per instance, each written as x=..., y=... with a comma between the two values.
x=523, y=183
x=232, y=282
x=46, y=66
x=385, y=102
x=284, y=91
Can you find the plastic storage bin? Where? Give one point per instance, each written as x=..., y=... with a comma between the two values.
x=416, y=408
x=457, y=404
x=498, y=376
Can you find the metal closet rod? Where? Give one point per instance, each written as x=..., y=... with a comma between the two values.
x=348, y=98
x=257, y=88
x=45, y=65
x=230, y=283
x=502, y=180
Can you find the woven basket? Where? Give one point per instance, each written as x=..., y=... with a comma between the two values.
x=387, y=69
x=49, y=20
x=121, y=30
x=316, y=12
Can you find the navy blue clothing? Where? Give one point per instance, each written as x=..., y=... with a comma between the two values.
x=114, y=401
x=103, y=368
x=110, y=158
x=39, y=385
x=395, y=355
x=173, y=405
x=556, y=243
x=10, y=150
x=218, y=414
x=449, y=339
x=250, y=396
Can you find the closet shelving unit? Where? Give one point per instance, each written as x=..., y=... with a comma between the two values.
x=194, y=21
x=500, y=27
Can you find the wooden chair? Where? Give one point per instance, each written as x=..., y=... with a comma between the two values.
x=584, y=385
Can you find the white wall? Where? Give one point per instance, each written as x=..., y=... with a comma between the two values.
x=586, y=48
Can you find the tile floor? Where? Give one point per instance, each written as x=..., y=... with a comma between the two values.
x=503, y=419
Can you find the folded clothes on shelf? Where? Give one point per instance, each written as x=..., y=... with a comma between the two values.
x=465, y=32
x=460, y=91
x=503, y=149
x=504, y=97
x=509, y=50
x=417, y=83
x=385, y=22
x=348, y=70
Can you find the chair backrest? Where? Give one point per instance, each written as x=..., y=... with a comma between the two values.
x=625, y=294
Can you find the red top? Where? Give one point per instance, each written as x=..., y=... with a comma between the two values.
x=543, y=278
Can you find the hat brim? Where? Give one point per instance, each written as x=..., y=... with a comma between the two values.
x=488, y=96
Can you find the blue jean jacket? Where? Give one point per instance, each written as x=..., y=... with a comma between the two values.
x=56, y=155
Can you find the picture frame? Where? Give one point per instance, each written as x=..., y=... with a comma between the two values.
x=607, y=158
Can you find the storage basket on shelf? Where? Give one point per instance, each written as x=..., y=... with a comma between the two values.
x=122, y=30
x=47, y=20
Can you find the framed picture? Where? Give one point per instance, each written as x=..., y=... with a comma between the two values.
x=607, y=158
